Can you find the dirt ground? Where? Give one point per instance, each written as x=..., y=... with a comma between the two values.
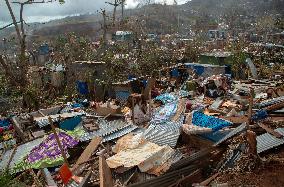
x=270, y=173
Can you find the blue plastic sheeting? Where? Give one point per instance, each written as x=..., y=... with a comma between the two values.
x=70, y=123
x=4, y=123
x=145, y=83
x=122, y=96
x=228, y=70
x=202, y=120
x=175, y=73
x=166, y=98
x=43, y=49
x=165, y=112
x=259, y=115
x=215, y=136
x=199, y=70
x=76, y=105
x=82, y=87
x=130, y=77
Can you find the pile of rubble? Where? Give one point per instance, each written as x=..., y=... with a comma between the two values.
x=177, y=132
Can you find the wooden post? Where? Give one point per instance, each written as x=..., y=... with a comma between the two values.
x=250, y=106
x=251, y=139
x=105, y=173
x=132, y=108
x=58, y=141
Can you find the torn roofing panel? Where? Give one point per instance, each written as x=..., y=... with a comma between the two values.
x=234, y=132
x=44, y=121
x=267, y=141
x=21, y=151
x=270, y=102
x=110, y=130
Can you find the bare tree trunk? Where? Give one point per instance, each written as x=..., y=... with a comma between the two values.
x=114, y=15
x=7, y=70
x=14, y=21
x=104, y=27
x=122, y=10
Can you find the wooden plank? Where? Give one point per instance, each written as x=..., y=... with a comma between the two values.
x=87, y=153
x=270, y=131
x=105, y=173
x=209, y=180
x=250, y=106
x=18, y=128
x=58, y=142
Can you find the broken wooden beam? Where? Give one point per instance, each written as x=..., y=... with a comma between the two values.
x=58, y=142
x=87, y=153
x=251, y=139
x=209, y=180
x=105, y=173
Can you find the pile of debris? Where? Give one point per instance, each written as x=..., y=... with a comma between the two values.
x=182, y=130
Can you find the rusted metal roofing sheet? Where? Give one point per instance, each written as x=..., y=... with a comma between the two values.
x=267, y=141
x=234, y=132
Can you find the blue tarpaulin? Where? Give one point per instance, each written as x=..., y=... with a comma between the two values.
x=43, y=49
x=82, y=87
x=175, y=73
x=122, y=96
x=71, y=123
x=203, y=120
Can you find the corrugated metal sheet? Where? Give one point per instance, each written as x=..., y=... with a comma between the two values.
x=162, y=137
x=21, y=151
x=164, y=133
x=234, y=132
x=189, y=160
x=110, y=130
x=270, y=102
x=123, y=177
x=119, y=133
x=44, y=121
x=267, y=141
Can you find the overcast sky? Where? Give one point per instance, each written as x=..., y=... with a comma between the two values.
x=49, y=11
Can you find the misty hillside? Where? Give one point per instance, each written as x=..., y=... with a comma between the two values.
x=194, y=15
